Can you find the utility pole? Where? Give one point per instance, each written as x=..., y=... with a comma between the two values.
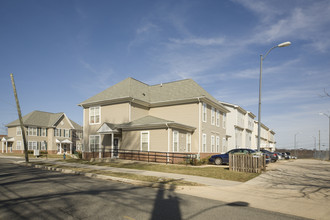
x=20, y=119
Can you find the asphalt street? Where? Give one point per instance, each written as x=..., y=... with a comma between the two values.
x=30, y=193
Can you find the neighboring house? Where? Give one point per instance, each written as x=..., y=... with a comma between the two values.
x=5, y=143
x=51, y=132
x=178, y=116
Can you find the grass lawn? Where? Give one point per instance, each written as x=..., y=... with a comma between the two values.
x=150, y=179
x=218, y=172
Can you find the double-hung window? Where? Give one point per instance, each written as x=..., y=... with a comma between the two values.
x=44, y=132
x=32, y=145
x=212, y=143
x=94, y=115
x=32, y=131
x=217, y=118
x=94, y=142
x=204, y=112
x=204, y=143
x=212, y=116
x=188, y=141
x=57, y=132
x=217, y=144
x=224, y=120
x=18, y=131
x=18, y=145
x=144, y=140
x=43, y=145
x=175, y=141
x=66, y=133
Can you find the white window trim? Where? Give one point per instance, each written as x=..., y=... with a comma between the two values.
x=212, y=143
x=204, y=142
x=66, y=133
x=212, y=116
x=19, y=145
x=43, y=145
x=145, y=132
x=224, y=116
x=188, y=142
x=89, y=115
x=217, y=144
x=178, y=150
x=217, y=120
x=89, y=144
x=18, y=131
x=32, y=129
x=34, y=145
x=204, y=112
x=42, y=132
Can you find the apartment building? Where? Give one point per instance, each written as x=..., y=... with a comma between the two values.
x=177, y=116
x=45, y=131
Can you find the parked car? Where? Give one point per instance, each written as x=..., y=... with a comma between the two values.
x=273, y=156
x=287, y=155
x=279, y=155
x=224, y=158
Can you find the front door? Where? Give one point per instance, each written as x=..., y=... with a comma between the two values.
x=115, y=147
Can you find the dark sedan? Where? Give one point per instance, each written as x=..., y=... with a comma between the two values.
x=273, y=156
x=224, y=158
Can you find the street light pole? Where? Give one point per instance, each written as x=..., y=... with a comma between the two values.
x=262, y=57
x=295, y=144
x=328, y=116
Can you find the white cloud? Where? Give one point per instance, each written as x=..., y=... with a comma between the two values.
x=308, y=21
x=200, y=41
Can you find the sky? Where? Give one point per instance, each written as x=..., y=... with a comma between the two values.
x=65, y=51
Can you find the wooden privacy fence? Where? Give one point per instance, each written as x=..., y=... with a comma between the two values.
x=248, y=163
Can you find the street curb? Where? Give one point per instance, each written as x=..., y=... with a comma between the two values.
x=103, y=177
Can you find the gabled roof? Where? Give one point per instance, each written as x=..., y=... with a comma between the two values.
x=41, y=119
x=166, y=93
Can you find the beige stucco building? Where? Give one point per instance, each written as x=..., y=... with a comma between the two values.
x=178, y=116
x=45, y=131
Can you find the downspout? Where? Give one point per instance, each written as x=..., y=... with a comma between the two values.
x=168, y=141
x=199, y=127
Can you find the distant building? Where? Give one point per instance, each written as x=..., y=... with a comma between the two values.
x=45, y=131
x=242, y=130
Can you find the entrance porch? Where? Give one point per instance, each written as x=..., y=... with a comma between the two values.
x=7, y=144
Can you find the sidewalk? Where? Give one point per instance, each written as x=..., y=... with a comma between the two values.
x=197, y=179
x=294, y=187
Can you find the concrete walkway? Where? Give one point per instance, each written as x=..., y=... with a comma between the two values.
x=197, y=179
x=299, y=187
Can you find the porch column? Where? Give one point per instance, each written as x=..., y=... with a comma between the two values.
x=71, y=148
x=6, y=146
x=2, y=147
x=60, y=148
x=112, y=139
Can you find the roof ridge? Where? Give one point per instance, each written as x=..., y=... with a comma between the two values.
x=188, y=79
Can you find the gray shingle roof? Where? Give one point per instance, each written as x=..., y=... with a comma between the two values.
x=41, y=119
x=165, y=92
x=151, y=121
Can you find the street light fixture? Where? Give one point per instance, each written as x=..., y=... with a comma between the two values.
x=328, y=116
x=284, y=44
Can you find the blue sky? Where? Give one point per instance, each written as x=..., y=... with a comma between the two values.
x=63, y=52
